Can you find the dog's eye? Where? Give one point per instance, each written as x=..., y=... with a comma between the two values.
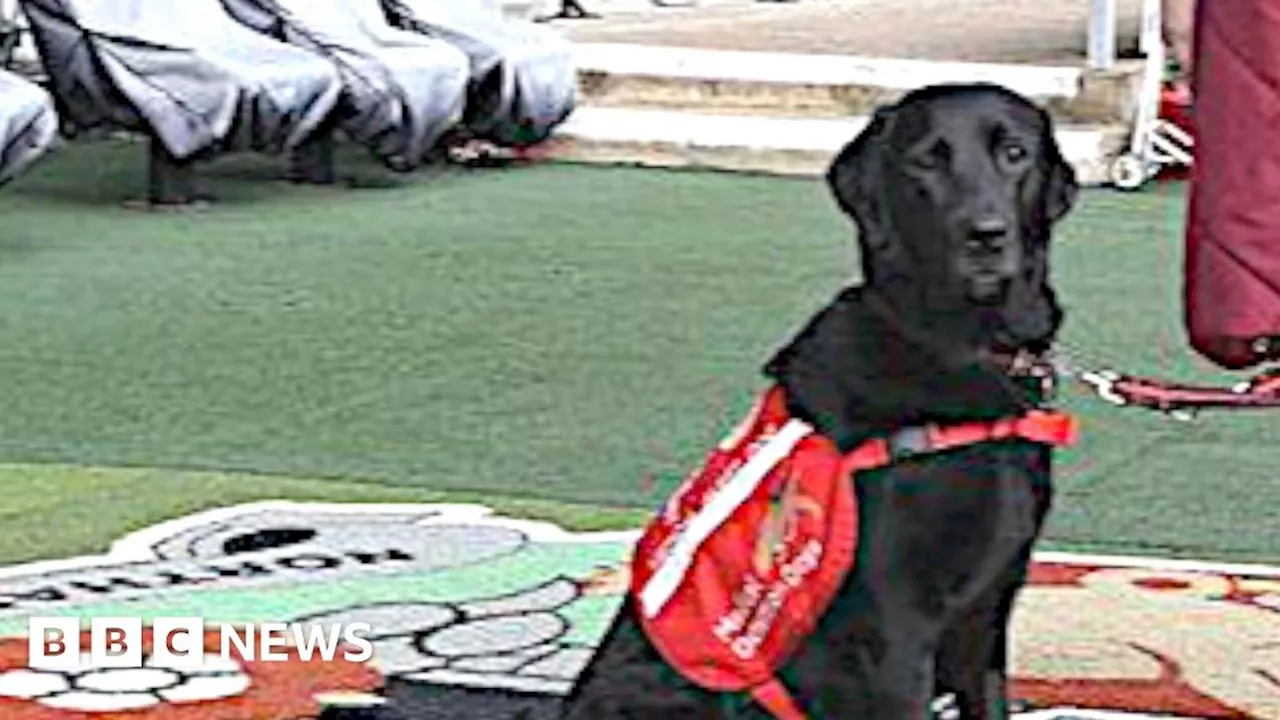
x=937, y=156
x=1013, y=154
x=925, y=162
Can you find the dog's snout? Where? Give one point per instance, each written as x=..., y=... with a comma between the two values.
x=989, y=234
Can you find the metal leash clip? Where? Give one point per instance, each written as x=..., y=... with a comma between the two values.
x=1107, y=385
x=1103, y=383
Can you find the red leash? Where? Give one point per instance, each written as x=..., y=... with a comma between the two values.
x=1179, y=400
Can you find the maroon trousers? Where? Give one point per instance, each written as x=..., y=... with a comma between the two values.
x=1232, y=264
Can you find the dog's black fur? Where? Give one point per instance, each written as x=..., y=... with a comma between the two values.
x=954, y=190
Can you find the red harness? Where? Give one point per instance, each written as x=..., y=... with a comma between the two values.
x=750, y=551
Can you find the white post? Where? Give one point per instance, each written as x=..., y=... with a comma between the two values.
x=1102, y=34
x=1151, y=39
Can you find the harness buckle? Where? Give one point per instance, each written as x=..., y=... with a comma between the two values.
x=908, y=441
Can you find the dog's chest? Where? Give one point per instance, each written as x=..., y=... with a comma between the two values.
x=948, y=513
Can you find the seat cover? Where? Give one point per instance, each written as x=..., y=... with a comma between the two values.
x=186, y=72
x=536, y=79
x=403, y=90
x=28, y=124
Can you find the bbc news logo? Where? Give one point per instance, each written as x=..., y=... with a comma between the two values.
x=56, y=643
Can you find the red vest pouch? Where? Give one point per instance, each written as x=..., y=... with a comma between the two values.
x=748, y=553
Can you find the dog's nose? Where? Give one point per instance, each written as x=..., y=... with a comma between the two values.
x=988, y=234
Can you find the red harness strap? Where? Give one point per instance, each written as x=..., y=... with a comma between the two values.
x=749, y=552
x=1040, y=426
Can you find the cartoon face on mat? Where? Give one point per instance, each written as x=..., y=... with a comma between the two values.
x=454, y=597
x=290, y=543
x=516, y=642
x=519, y=641
x=434, y=542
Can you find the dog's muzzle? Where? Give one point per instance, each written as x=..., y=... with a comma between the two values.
x=988, y=288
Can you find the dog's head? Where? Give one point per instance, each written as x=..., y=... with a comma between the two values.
x=955, y=190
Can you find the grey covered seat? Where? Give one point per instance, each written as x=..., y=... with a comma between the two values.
x=184, y=72
x=28, y=124
x=403, y=91
x=523, y=76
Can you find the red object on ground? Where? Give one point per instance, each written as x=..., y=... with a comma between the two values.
x=1232, y=264
x=1175, y=107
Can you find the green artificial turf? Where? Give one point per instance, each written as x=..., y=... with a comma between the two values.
x=555, y=332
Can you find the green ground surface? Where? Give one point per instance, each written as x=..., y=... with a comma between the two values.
x=552, y=333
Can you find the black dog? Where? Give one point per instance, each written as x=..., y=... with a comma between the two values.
x=954, y=190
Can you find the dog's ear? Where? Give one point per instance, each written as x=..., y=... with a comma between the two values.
x=856, y=177
x=1060, y=185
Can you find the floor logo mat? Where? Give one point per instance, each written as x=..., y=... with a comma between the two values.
x=474, y=615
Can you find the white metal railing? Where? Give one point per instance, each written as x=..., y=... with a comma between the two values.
x=1155, y=143
x=1102, y=34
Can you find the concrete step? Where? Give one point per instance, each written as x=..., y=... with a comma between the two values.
x=812, y=85
x=802, y=146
